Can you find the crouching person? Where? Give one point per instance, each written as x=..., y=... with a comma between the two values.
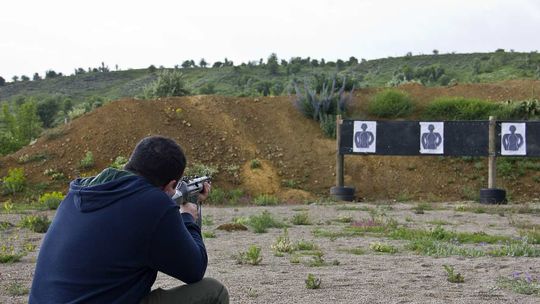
x=115, y=231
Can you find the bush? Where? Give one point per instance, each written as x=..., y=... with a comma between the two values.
x=88, y=161
x=51, y=199
x=217, y=196
x=265, y=200
x=119, y=162
x=260, y=223
x=169, y=83
x=15, y=181
x=460, y=108
x=391, y=104
x=36, y=223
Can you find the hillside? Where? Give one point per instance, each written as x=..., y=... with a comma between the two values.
x=255, y=79
x=228, y=133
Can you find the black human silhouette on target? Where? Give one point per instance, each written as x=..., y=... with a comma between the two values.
x=512, y=141
x=431, y=140
x=363, y=139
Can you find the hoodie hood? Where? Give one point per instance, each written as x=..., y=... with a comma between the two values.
x=106, y=188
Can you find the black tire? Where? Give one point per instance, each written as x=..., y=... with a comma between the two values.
x=492, y=196
x=343, y=193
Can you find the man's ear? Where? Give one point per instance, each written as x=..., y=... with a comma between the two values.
x=169, y=187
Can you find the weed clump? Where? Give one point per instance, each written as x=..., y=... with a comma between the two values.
x=312, y=282
x=452, y=276
x=51, y=200
x=14, y=182
x=251, y=256
x=391, y=104
x=36, y=223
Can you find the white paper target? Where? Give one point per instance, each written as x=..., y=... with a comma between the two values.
x=365, y=136
x=431, y=137
x=513, y=139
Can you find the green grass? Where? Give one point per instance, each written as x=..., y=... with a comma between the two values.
x=16, y=289
x=36, y=223
x=10, y=257
x=260, y=223
x=301, y=219
x=266, y=200
x=520, y=284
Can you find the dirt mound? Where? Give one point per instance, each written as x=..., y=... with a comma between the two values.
x=228, y=133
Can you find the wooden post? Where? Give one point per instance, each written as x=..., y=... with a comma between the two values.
x=492, y=161
x=339, y=156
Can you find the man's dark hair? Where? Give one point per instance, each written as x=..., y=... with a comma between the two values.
x=159, y=159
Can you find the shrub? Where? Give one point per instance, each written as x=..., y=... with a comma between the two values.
x=251, y=256
x=460, y=108
x=283, y=244
x=169, y=83
x=391, y=104
x=260, y=223
x=88, y=161
x=453, y=277
x=51, y=199
x=36, y=223
x=119, y=162
x=255, y=164
x=15, y=181
x=265, y=200
x=301, y=219
x=217, y=196
x=313, y=282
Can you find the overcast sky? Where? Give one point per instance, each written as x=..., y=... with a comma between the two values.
x=37, y=35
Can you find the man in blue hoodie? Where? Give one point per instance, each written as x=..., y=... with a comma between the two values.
x=115, y=231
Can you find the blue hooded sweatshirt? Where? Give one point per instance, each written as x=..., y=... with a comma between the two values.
x=111, y=235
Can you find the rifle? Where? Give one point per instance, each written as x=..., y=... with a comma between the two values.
x=187, y=191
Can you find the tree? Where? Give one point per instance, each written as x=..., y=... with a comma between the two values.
x=435, y=52
x=15, y=78
x=203, y=63
x=51, y=74
x=46, y=110
x=272, y=64
x=152, y=68
x=314, y=62
x=36, y=77
x=340, y=64
x=284, y=62
x=353, y=60
x=186, y=64
x=2, y=81
x=103, y=68
x=25, y=78
x=79, y=71
x=217, y=64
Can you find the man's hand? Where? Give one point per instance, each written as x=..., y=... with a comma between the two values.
x=190, y=208
x=205, y=192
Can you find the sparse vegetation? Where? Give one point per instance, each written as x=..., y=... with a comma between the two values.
x=451, y=276
x=266, y=200
x=36, y=223
x=51, y=199
x=87, y=162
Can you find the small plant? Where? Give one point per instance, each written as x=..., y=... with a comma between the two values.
x=313, y=282
x=8, y=254
x=290, y=183
x=51, y=200
x=87, y=161
x=209, y=234
x=262, y=222
x=169, y=83
x=198, y=169
x=301, y=219
x=119, y=162
x=265, y=200
x=453, y=277
x=283, y=243
x=251, y=256
x=208, y=220
x=15, y=181
x=36, y=223
x=525, y=284
x=305, y=245
x=235, y=195
x=255, y=164
x=317, y=260
x=8, y=206
x=344, y=219
x=381, y=247
x=217, y=196
x=16, y=289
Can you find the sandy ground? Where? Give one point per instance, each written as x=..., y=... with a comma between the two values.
x=403, y=277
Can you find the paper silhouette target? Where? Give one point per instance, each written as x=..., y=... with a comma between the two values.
x=513, y=139
x=431, y=138
x=365, y=136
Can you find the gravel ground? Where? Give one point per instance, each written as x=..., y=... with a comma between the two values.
x=403, y=277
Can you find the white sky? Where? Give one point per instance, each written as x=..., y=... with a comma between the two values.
x=36, y=35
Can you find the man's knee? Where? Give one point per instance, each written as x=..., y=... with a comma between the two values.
x=215, y=287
